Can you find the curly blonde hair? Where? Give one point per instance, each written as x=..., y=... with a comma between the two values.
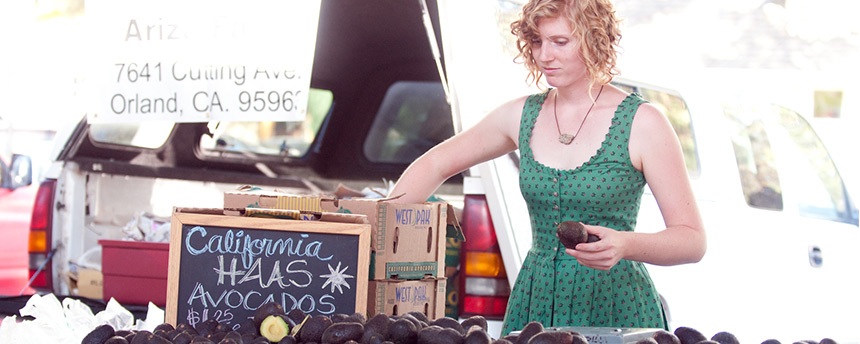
x=594, y=25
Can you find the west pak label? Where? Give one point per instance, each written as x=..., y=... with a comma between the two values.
x=413, y=217
x=414, y=295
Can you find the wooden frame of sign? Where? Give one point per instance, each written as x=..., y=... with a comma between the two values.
x=224, y=267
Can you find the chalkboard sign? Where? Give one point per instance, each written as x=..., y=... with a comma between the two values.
x=225, y=267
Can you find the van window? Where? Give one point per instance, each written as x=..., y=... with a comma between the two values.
x=414, y=117
x=675, y=109
x=805, y=167
x=290, y=139
x=756, y=164
x=140, y=134
x=820, y=189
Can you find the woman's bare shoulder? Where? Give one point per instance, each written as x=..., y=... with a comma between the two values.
x=649, y=117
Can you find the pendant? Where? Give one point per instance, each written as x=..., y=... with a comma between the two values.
x=565, y=138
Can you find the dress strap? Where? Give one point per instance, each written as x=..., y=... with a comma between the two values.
x=619, y=131
x=531, y=110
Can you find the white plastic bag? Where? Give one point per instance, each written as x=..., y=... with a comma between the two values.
x=71, y=321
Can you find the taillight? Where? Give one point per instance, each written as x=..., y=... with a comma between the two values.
x=484, y=288
x=39, y=246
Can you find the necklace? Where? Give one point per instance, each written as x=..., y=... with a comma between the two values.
x=567, y=138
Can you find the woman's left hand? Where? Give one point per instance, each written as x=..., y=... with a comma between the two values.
x=602, y=254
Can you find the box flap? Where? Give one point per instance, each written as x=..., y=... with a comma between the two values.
x=454, y=231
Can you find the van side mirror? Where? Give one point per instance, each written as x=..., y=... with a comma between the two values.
x=20, y=172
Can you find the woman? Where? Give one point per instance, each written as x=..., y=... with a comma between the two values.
x=586, y=157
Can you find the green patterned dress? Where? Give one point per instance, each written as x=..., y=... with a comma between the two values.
x=552, y=287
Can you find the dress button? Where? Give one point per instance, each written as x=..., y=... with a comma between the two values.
x=555, y=180
x=556, y=207
x=555, y=224
x=555, y=194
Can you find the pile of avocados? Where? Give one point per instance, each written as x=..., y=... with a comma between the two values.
x=271, y=324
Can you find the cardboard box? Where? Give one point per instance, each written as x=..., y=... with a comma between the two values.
x=87, y=282
x=395, y=297
x=135, y=272
x=408, y=240
x=253, y=197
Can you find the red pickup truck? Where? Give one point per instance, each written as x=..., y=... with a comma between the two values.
x=17, y=196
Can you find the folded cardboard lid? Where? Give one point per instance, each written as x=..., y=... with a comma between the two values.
x=247, y=196
x=304, y=215
x=278, y=213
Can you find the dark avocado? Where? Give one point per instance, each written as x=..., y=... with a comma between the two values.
x=342, y=332
x=726, y=338
x=313, y=328
x=571, y=233
x=476, y=335
x=529, y=331
x=402, y=331
x=378, y=324
x=665, y=337
x=688, y=335
x=475, y=320
x=99, y=335
x=451, y=323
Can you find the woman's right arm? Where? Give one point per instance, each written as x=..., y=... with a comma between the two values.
x=495, y=135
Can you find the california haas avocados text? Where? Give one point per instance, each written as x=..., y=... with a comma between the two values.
x=271, y=324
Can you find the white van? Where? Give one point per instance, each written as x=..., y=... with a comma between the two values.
x=780, y=224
